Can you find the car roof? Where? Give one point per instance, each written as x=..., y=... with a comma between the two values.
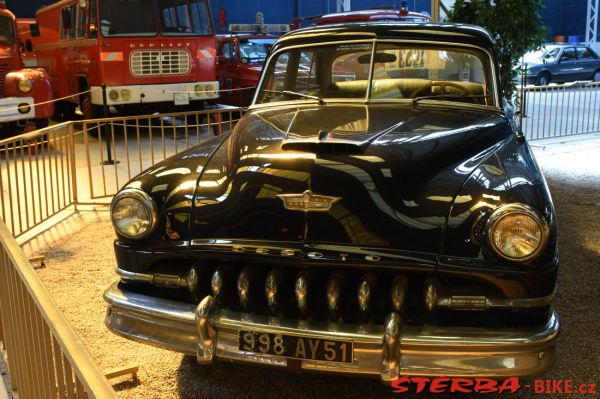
x=426, y=31
x=367, y=15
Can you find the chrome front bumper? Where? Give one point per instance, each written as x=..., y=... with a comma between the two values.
x=384, y=351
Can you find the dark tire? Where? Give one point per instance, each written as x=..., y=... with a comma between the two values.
x=596, y=76
x=89, y=110
x=41, y=123
x=64, y=111
x=543, y=79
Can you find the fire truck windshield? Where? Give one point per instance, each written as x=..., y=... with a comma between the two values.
x=140, y=17
x=255, y=50
x=7, y=33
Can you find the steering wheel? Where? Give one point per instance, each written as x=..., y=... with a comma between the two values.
x=442, y=84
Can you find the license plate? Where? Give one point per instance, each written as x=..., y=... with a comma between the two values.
x=296, y=347
x=181, y=99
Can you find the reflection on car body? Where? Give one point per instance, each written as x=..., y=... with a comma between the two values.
x=390, y=222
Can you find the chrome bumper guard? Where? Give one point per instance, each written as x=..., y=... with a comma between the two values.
x=208, y=332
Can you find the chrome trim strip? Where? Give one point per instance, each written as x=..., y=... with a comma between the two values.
x=160, y=280
x=425, y=351
x=454, y=302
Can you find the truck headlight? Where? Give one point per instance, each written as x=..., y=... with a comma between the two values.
x=25, y=85
x=517, y=232
x=210, y=90
x=133, y=213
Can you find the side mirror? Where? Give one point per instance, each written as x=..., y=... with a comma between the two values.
x=34, y=29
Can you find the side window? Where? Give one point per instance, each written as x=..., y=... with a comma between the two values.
x=92, y=29
x=81, y=22
x=68, y=26
x=584, y=53
x=228, y=51
x=568, y=54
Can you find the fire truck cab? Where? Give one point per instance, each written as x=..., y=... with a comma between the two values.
x=20, y=88
x=150, y=54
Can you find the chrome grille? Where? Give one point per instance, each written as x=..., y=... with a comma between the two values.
x=3, y=70
x=171, y=62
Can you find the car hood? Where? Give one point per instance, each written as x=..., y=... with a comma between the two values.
x=390, y=173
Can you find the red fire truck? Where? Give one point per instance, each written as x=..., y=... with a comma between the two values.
x=240, y=59
x=20, y=88
x=152, y=55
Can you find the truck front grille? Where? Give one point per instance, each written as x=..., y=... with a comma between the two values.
x=148, y=63
x=3, y=70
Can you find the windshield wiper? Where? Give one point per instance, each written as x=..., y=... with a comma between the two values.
x=294, y=93
x=417, y=99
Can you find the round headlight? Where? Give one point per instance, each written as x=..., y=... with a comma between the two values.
x=113, y=95
x=25, y=85
x=517, y=232
x=133, y=213
x=198, y=90
x=126, y=95
x=209, y=91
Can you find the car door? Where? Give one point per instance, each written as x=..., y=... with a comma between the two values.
x=567, y=65
x=226, y=67
x=587, y=62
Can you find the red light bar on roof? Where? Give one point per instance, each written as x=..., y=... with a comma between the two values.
x=404, y=9
x=258, y=28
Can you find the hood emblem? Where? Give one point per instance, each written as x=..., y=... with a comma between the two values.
x=308, y=202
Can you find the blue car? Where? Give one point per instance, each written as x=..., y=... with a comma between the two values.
x=562, y=63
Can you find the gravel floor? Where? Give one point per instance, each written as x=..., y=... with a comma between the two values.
x=81, y=266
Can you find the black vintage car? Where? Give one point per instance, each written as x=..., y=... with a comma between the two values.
x=374, y=212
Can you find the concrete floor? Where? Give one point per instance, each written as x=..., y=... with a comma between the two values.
x=80, y=266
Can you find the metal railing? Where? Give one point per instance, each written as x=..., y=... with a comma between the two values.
x=138, y=142
x=45, y=358
x=37, y=177
x=561, y=110
x=42, y=174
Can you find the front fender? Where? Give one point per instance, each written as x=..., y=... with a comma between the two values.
x=171, y=185
x=509, y=175
x=41, y=91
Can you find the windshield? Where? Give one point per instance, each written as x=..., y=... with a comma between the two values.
x=184, y=17
x=140, y=17
x=546, y=55
x=255, y=50
x=7, y=33
x=399, y=71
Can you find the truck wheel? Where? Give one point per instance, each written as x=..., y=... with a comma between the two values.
x=89, y=110
x=41, y=123
x=64, y=111
x=543, y=79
